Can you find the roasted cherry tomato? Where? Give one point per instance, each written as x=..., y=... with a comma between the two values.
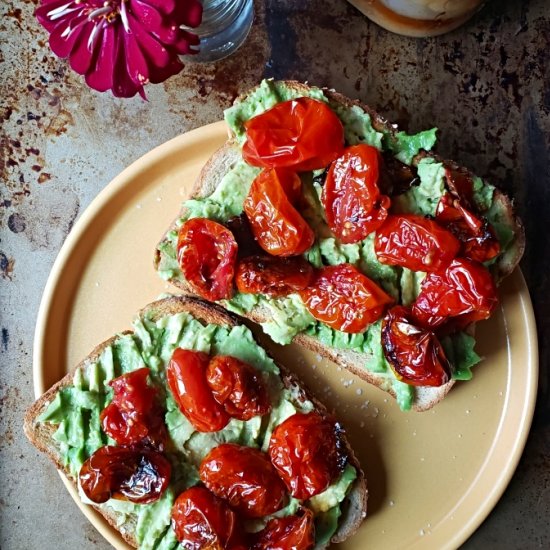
x=238, y=387
x=295, y=532
x=414, y=353
x=416, y=243
x=273, y=276
x=460, y=184
x=277, y=226
x=186, y=376
x=353, y=204
x=125, y=473
x=465, y=288
x=307, y=451
x=207, y=252
x=303, y=134
x=245, y=478
x=396, y=177
x=345, y=299
x=134, y=415
x=246, y=243
x=202, y=520
x=478, y=240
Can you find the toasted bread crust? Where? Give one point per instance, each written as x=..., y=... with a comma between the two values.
x=40, y=434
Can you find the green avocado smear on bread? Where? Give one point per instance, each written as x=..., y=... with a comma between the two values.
x=288, y=316
x=76, y=410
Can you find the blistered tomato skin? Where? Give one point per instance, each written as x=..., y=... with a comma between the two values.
x=415, y=354
x=464, y=289
x=277, y=226
x=134, y=415
x=186, y=376
x=245, y=478
x=354, y=206
x=238, y=387
x=477, y=238
x=302, y=134
x=416, y=243
x=296, y=532
x=307, y=451
x=273, y=276
x=345, y=299
x=202, y=520
x=207, y=253
x=125, y=473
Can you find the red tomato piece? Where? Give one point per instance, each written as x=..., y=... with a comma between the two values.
x=125, y=473
x=296, y=532
x=303, y=134
x=460, y=184
x=202, y=520
x=308, y=453
x=186, y=376
x=207, y=253
x=351, y=197
x=134, y=415
x=345, y=299
x=277, y=226
x=245, y=478
x=273, y=276
x=416, y=243
x=414, y=353
x=464, y=288
x=238, y=387
x=478, y=240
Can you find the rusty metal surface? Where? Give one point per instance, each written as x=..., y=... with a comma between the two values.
x=485, y=85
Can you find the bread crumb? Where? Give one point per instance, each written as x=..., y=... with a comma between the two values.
x=421, y=532
x=359, y=391
x=138, y=206
x=392, y=503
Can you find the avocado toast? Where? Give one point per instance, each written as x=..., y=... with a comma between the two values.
x=223, y=186
x=65, y=422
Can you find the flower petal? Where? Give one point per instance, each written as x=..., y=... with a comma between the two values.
x=136, y=63
x=187, y=13
x=156, y=53
x=101, y=75
x=65, y=35
x=82, y=56
x=123, y=85
x=164, y=6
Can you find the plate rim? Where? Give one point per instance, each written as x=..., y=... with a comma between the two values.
x=157, y=155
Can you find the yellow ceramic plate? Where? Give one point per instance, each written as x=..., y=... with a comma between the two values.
x=433, y=477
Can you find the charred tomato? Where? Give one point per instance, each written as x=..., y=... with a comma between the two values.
x=238, y=387
x=246, y=243
x=207, y=252
x=303, y=134
x=416, y=243
x=125, y=473
x=354, y=206
x=277, y=226
x=414, y=353
x=296, y=532
x=186, y=376
x=464, y=289
x=308, y=453
x=345, y=299
x=273, y=276
x=245, y=478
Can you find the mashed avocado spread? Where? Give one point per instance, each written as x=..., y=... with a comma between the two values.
x=288, y=316
x=76, y=411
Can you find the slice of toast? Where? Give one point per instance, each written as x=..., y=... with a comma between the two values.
x=41, y=433
x=230, y=153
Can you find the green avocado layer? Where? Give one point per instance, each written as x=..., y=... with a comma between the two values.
x=76, y=410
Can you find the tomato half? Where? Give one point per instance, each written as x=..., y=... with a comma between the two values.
x=186, y=376
x=296, y=532
x=345, y=299
x=353, y=204
x=465, y=288
x=238, y=387
x=414, y=353
x=134, y=415
x=245, y=478
x=202, y=520
x=303, y=134
x=416, y=243
x=207, y=252
x=478, y=240
x=125, y=473
x=308, y=453
x=273, y=276
x=277, y=226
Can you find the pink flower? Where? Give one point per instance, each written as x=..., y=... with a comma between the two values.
x=121, y=45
